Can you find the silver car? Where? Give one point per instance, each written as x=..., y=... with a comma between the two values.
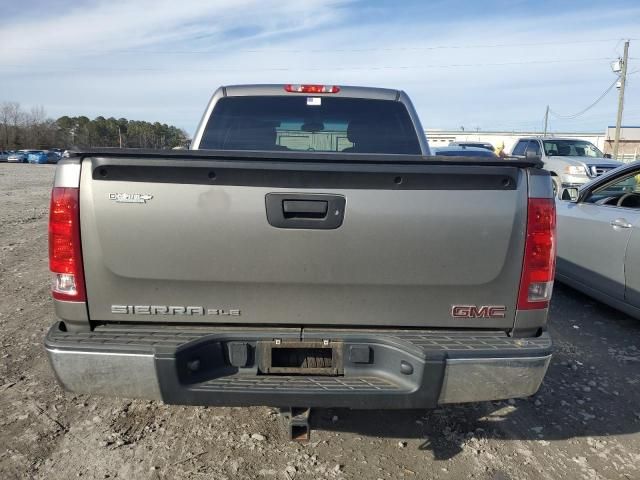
x=18, y=157
x=599, y=238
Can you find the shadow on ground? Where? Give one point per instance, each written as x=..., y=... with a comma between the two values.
x=591, y=390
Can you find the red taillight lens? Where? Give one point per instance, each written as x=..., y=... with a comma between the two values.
x=312, y=88
x=539, y=263
x=65, y=257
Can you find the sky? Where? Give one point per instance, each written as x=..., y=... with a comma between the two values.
x=491, y=65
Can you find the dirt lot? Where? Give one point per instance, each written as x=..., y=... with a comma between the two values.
x=583, y=424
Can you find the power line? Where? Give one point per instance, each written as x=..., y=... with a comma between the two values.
x=326, y=50
x=224, y=69
x=582, y=112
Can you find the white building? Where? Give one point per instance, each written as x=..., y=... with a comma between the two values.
x=629, y=146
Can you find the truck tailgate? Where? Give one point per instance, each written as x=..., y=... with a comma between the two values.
x=179, y=240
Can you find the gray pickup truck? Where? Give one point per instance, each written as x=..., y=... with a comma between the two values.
x=308, y=251
x=572, y=162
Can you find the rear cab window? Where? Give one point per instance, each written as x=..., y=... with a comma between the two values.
x=311, y=124
x=520, y=147
x=534, y=146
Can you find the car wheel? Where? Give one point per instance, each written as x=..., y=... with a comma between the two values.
x=557, y=188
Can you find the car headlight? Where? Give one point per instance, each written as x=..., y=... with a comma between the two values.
x=575, y=170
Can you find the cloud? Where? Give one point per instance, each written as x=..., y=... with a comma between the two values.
x=154, y=61
x=110, y=26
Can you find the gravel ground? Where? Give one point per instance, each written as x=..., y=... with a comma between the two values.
x=583, y=424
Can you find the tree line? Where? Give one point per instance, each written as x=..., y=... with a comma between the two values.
x=24, y=129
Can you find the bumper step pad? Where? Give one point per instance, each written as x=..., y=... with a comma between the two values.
x=306, y=384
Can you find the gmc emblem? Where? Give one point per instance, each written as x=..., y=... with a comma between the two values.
x=471, y=311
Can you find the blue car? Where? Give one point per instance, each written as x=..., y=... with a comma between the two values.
x=37, y=156
x=53, y=156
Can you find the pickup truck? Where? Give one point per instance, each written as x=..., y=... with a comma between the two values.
x=572, y=162
x=306, y=252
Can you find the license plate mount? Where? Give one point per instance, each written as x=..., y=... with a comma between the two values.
x=300, y=358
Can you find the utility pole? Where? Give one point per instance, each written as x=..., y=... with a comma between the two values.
x=546, y=121
x=623, y=80
x=120, y=136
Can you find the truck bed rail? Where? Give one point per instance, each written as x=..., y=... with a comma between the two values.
x=298, y=157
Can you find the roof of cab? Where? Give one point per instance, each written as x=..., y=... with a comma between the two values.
x=551, y=137
x=278, y=89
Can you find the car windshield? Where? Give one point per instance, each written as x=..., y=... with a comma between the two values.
x=571, y=148
x=307, y=123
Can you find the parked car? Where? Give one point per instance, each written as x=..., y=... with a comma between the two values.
x=599, y=238
x=463, y=151
x=572, y=162
x=37, y=156
x=4, y=155
x=485, y=145
x=54, y=156
x=18, y=157
x=362, y=274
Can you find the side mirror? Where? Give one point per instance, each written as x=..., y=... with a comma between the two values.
x=607, y=155
x=532, y=156
x=570, y=194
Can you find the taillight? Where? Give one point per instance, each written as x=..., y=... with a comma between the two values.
x=539, y=263
x=312, y=88
x=65, y=256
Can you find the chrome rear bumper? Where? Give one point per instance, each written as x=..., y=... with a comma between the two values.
x=399, y=368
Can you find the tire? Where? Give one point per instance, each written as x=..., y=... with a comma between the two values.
x=557, y=187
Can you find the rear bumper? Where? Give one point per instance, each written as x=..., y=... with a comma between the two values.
x=382, y=368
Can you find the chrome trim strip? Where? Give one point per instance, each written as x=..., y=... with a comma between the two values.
x=81, y=352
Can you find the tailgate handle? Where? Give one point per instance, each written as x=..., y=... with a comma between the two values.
x=313, y=211
x=305, y=208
